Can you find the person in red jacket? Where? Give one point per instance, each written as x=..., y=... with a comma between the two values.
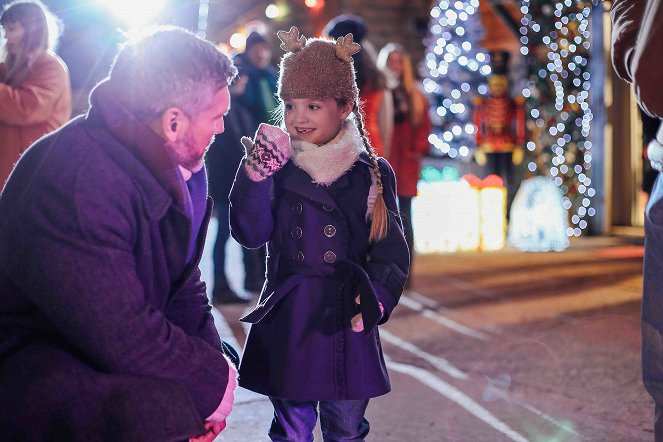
x=408, y=143
x=370, y=81
x=637, y=36
x=35, y=94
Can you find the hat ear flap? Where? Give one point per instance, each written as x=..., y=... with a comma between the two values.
x=291, y=41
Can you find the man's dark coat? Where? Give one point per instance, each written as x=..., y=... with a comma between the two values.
x=105, y=328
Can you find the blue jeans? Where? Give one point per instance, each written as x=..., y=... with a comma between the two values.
x=294, y=421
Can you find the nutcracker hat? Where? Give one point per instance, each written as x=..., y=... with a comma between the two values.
x=317, y=68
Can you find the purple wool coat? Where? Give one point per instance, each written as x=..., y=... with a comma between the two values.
x=105, y=327
x=301, y=346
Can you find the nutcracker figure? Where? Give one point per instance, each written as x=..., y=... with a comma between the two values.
x=500, y=122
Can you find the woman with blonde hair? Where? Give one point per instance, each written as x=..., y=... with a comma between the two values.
x=406, y=139
x=35, y=93
x=370, y=80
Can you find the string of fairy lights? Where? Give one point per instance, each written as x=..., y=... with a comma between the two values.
x=457, y=70
x=556, y=40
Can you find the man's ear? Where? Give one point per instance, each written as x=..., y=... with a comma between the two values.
x=172, y=124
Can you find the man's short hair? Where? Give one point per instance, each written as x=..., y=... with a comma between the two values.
x=169, y=67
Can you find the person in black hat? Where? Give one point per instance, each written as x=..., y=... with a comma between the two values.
x=259, y=98
x=222, y=161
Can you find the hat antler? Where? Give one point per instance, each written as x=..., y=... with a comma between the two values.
x=345, y=47
x=291, y=41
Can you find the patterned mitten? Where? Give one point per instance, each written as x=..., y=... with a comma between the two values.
x=268, y=153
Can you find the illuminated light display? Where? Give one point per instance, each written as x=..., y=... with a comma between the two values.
x=203, y=15
x=272, y=11
x=450, y=216
x=135, y=13
x=493, y=218
x=539, y=219
x=445, y=217
x=314, y=4
x=555, y=37
x=456, y=70
x=237, y=40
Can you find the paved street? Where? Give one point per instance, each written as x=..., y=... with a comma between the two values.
x=501, y=346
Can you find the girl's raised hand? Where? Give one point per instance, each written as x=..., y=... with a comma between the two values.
x=267, y=153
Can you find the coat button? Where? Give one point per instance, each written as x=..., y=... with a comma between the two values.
x=330, y=231
x=298, y=256
x=329, y=257
x=297, y=208
x=296, y=233
x=327, y=208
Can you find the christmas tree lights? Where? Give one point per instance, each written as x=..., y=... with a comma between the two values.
x=556, y=41
x=456, y=71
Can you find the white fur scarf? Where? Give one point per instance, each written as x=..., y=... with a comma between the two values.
x=329, y=162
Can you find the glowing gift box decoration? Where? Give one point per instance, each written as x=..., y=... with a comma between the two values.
x=492, y=210
x=538, y=220
x=445, y=217
x=450, y=216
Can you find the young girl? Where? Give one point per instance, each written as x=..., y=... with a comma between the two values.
x=337, y=260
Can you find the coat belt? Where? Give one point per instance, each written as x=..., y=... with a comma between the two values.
x=350, y=271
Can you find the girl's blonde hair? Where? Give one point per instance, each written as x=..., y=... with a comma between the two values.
x=407, y=79
x=380, y=221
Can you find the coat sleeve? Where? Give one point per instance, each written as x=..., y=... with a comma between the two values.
x=636, y=41
x=251, y=219
x=73, y=256
x=389, y=259
x=35, y=100
x=189, y=309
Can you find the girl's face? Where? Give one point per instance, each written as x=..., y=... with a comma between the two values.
x=13, y=34
x=314, y=121
x=395, y=63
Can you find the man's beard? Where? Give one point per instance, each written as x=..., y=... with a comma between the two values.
x=185, y=153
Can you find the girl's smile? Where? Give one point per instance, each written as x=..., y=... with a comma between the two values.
x=314, y=121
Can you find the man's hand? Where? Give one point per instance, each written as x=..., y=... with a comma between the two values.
x=212, y=429
x=267, y=153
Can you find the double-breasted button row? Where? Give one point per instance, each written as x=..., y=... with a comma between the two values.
x=329, y=257
x=329, y=231
x=298, y=256
x=297, y=208
x=327, y=208
x=296, y=232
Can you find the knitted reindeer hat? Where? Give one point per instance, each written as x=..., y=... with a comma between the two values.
x=317, y=68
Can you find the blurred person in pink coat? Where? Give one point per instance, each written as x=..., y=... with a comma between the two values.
x=35, y=92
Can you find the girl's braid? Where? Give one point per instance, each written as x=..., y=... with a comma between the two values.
x=380, y=222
